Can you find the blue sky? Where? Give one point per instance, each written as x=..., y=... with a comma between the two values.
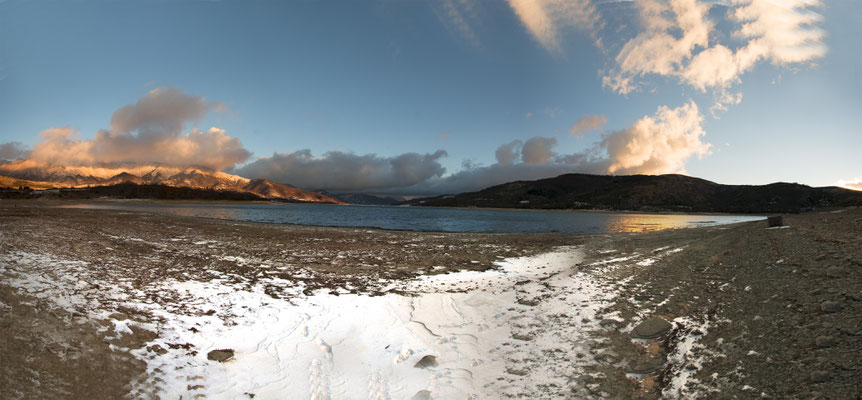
x=391, y=78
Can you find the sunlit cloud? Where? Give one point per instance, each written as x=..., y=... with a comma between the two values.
x=854, y=184
x=545, y=19
x=149, y=131
x=657, y=144
x=587, y=124
x=680, y=40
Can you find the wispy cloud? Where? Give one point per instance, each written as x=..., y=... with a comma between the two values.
x=545, y=19
x=151, y=130
x=459, y=17
x=588, y=123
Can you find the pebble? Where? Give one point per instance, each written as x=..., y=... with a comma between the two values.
x=820, y=376
x=830, y=307
x=825, y=341
x=220, y=355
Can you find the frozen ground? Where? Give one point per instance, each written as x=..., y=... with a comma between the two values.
x=522, y=329
x=318, y=313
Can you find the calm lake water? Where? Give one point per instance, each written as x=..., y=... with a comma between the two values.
x=429, y=219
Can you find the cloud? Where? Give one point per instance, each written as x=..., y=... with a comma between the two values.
x=588, y=123
x=657, y=144
x=509, y=153
x=149, y=131
x=854, y=184
x=537, y=150
x=459, y=17
x=680, y=40
x=13, y=150
x=338, y=171
x=545, y=19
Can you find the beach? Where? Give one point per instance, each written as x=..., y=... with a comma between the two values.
x=110, y=304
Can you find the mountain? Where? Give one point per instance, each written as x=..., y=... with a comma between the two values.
x=275, y=190
x=151, y=177
x=649, y=193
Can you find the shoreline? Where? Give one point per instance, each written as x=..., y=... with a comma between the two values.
x=547, y=314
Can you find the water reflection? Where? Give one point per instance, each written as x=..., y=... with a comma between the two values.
x=429, y=219
x=655, y=222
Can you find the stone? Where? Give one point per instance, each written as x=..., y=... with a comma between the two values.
x=644, y=367
x=820, y=376
x=825, y=341
x=651, y=328
x=428, y=361
x=519, y=336
x=830, y=307
x=774, y=221
x=609, y=322
x=422, y=395
x=220, y=355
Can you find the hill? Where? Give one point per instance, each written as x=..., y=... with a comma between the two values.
x=649, y=193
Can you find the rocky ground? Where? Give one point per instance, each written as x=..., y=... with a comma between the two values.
x=756, y=312
x=752, y=312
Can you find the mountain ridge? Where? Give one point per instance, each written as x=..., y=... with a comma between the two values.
x=21, y=173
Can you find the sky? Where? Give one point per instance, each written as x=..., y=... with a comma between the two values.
x=442, y=96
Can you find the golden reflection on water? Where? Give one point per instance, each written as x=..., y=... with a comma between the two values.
x=626, y=223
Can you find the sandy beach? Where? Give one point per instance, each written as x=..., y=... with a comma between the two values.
x=108, y=304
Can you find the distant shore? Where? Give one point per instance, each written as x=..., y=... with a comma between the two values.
x=92, y=300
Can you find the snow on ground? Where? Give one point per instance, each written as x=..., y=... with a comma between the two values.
x=521, y=329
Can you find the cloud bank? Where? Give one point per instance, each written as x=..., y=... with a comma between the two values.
x=149, y=131
x=338, y=171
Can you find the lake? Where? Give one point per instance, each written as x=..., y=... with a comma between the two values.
x=429, y=219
